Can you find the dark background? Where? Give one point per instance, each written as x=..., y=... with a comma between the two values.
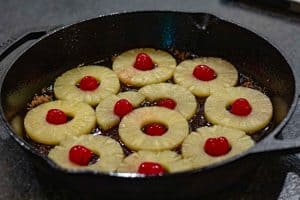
x=276, y=178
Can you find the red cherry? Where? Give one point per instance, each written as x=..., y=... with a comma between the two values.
x=80, y=155
x=168, y=103
x=217, y=146
x=155, y=129
x=56, y=116
x=204, y=73
x=123, y=107
x=241, y=107
x=143, y=62
x=88, y=83
x=151, y=168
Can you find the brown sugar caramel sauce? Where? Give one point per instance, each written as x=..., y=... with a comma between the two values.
x=197, y=121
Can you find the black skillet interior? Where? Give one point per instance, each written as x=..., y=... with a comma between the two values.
x=98, y=39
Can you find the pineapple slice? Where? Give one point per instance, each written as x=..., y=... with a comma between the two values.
x=65, y=86
x=215, y=109
x=134, y=98
x=181, y=165
x=105, y=115
x=130, y=129
x=193, y=145
x=132, y=162
x=109, y=151
x=185, y=101
x=38, y=129
x=17, y=125
x=226, y=75
x=123, y=65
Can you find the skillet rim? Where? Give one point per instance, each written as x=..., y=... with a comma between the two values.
x=54, y=166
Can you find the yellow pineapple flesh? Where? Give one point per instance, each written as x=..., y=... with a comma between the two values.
x=130, y=129
x=123, y=66
x=132, y=162
x=193, y=145
x=109, y=151
x=226, y=73
x=38, y=129
x=216, y=109
x=65, y=86
x=106, y=118
x=186, y=103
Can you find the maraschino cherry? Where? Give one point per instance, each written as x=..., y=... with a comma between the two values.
x=241, y=107
x=88, y=83
x=80, y=155
x=56, y=116
x=123, y=107
x=155, y=129
x=217, y=146
x=204, y=73
x=143, y=62
x=151, y=168
x=168, y=103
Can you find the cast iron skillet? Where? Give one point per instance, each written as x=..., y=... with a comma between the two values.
x=100, y=38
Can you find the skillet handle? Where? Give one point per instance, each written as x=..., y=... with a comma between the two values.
x=13, y=44
x=272, y=143
x=20, y=41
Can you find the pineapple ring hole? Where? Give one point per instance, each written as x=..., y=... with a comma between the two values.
x=228, y=105
x=70, y=116
x=154, y=128
x=94, y=159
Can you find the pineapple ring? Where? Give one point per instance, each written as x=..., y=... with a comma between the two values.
x=38, y=129
x=109, y=151
x=227, y=75
x=132, y=162
x=185, y=100
x=134, y=138
x=193, y=145
x=105, y=115
x=215, y=109
x=65, y=85
x=181, y=165
x=123, y=66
